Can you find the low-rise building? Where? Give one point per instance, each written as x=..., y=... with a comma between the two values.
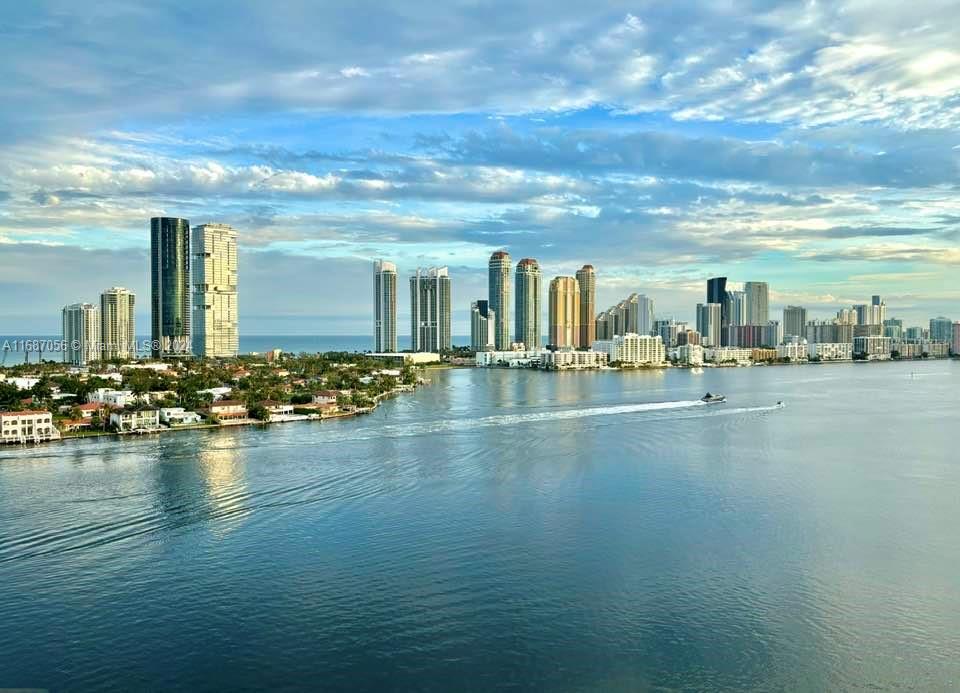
x=830, y=351
x=112, y=398
x=325, y=397
x=526, y=358
x=228, y=410
x=936, y=349
x=278, y=408
x=729, y=355
x=570, y=359
x=25, y=382
x=414, y=359
x=178, y=416
x=129, y=420
x=633, y=349
x=158, y=367
x=759, y=355
x=794, y=351
x=688, y=354
x=88, y=409
x=217, y=393
x=27, y=426
x=906, y=349
x=872, y=348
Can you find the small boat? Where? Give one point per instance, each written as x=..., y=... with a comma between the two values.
x=713, y=399
x=780, y=404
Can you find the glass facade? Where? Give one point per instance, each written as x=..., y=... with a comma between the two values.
x=170, y=287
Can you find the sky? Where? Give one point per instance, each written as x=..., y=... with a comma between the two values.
x=814, y=146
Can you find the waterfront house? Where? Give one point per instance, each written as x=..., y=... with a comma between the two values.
x=27, y=426
x=178, y=416
x=135, y=420
x=227, y=410
x=325, y=397
x=72, y=425
x=112, y=398
x=278, y=408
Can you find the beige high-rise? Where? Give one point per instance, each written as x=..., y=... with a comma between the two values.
x=587, y=278
x=118, y=329
x=215, y=323
x=564, y=312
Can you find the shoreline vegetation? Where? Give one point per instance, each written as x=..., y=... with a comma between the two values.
x=52, y=401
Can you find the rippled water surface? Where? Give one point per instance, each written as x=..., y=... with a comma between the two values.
x=507, y=529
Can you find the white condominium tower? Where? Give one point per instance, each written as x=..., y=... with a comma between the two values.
x=430, y=310
x=384, y=306
x=499, y=297
x=81, y=334
x=756, y=295
x=117, y=326
x=215, y=330
x=527, y=314
x=481, y=326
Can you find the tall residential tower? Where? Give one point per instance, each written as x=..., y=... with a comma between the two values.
x=170, y=287
x=216, y=331
x=384, y=306
x=564, y=312
x=527, y=312
x=430, y=310
x=81, y=334
x=499, y=295
x=587, y=278
x=117, y=325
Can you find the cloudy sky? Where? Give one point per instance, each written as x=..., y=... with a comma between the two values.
x=814, y=146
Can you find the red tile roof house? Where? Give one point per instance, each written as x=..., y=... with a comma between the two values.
x=326, y=397
x=228, y=410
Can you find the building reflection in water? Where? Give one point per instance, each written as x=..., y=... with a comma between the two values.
x=222, y=470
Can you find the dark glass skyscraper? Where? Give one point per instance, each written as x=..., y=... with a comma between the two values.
x=170, y=287
x=717, y=293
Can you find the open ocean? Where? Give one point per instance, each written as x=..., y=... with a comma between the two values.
x=506, y=530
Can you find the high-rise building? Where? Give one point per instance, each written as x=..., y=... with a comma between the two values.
x=717, y=293
x=527, y=313
x=668, y=330
x=215, y=326
x=794, y=321
x=587, y=278
x=893, y=328
x=941, y=329
x=847, y=316
x=873, y=313
x=499, y=296
x=481, y=326
x=117, y=324
x=430, y=310
x=81, y=334
x=564, y=312
x=736, y=308
x=170, y=287
x=955, y=342
x=709, y=316
x=384, y=306
x=632, y=348
x=756, y=295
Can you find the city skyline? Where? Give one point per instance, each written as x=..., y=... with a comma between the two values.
x=607, y=136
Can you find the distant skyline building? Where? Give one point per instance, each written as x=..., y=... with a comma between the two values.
x=736, y=308
x=564, y=312
x=430, y=312
x=384, y=306
x=757, y=297
x=955, y=342
x=170, y=287
x=118, y=324
x=794, y=321
x=527, y=313
x=81, y=334
x=481, y=326
x=215, y=326
x=587, y=279
x=941, y=329
x=709, y=323
x=498, y=277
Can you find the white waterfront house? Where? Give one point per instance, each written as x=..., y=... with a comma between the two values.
x=178, y=416
x=126, y=421
x=112, y=398
x=28, y=426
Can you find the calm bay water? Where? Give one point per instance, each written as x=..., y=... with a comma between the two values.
x=507, y=529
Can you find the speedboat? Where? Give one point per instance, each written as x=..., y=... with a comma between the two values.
x=713, y=399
